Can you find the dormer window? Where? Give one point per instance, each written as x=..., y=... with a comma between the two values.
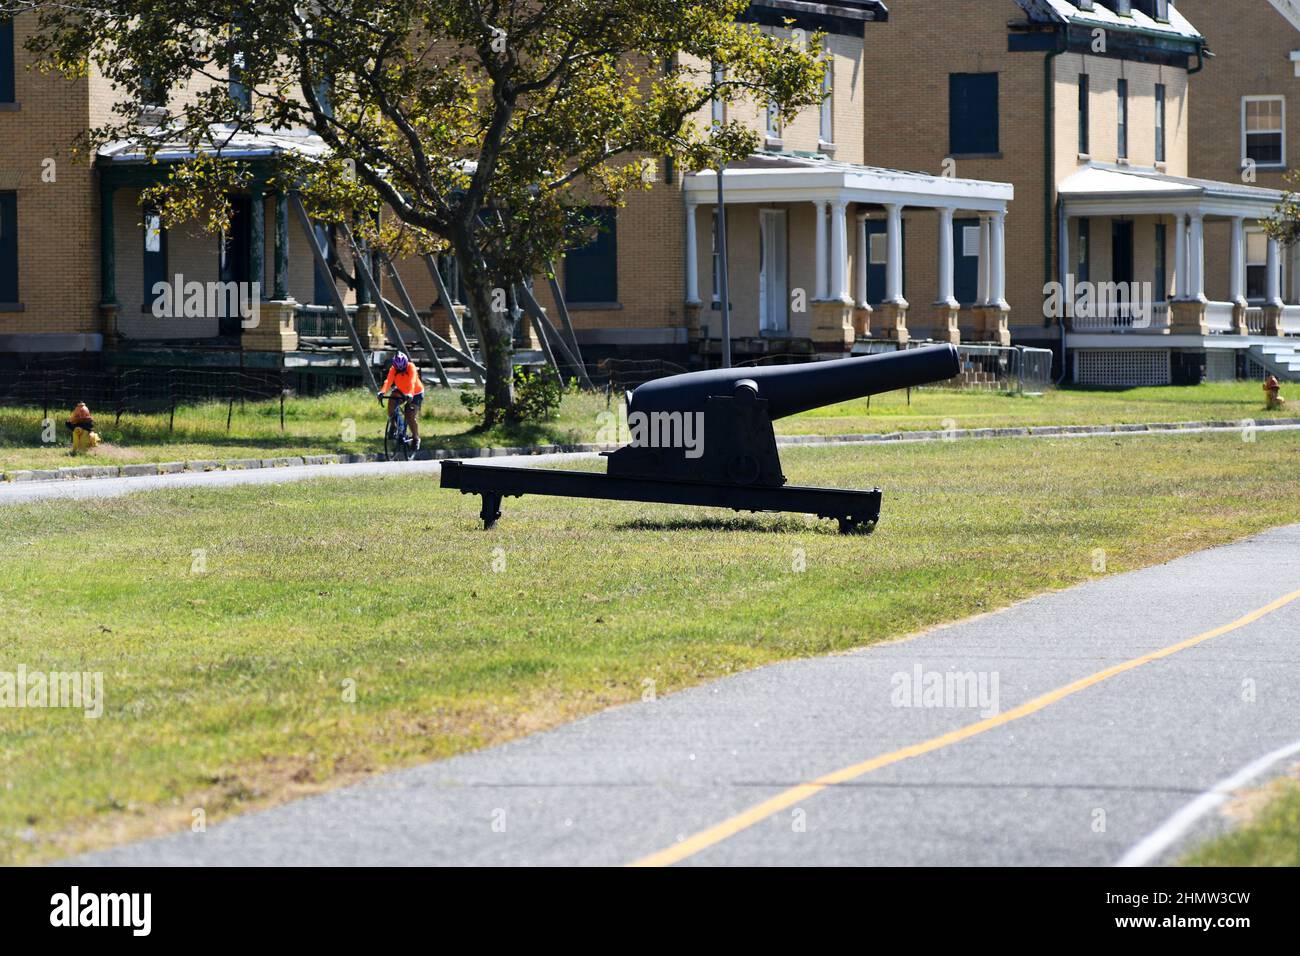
x=1123, y=8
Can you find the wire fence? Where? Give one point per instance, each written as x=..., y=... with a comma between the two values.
x=111, y=392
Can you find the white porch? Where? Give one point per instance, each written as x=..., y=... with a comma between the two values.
x=1185, y=299
x=803, y=234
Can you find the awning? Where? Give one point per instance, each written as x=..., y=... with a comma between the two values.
x=769, y=177
x=1125, y=191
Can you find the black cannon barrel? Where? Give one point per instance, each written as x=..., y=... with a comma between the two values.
x=790, y=389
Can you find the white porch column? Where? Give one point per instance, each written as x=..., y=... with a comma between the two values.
x=819, y=290
x=1237, y=262
x=692, y=257
x=839, y=251
x=1181, y=284
x=998, y=262
x=946, y=258
x=894, y=265
x=983, y=295
x=1196, y=253
x=1274, y=272
x=864, y=255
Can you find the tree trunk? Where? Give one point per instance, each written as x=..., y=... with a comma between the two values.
x=495, y=332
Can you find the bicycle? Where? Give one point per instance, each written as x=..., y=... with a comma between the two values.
x=397, y=443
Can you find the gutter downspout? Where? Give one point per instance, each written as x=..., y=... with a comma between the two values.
x=1049, y=167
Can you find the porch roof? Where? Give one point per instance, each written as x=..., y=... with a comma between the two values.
x=768, y=177
x=1127, y=191
x=1103, y=14
x=223, y=140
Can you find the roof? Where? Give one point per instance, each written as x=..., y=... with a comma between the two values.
x=1103, y=14
x=771, y=177
x=1114, y=187
x=224, y=141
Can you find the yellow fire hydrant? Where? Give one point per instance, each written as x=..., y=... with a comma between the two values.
x=1273, y=394
x=82, y=426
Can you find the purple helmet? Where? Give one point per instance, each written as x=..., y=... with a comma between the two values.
x=400, y=361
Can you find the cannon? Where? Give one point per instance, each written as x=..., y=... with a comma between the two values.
x=706, y=439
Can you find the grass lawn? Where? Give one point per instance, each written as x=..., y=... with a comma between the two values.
x=340, y=422
x=321, y=425
x=1271, y=837
x=227, y=685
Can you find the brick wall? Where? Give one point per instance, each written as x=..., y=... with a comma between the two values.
x=58, y=252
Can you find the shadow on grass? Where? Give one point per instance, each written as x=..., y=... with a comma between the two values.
x=762, y=525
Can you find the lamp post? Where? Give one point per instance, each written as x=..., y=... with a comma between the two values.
x=724, y=294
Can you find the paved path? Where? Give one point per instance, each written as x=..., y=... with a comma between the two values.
x=23, y=492
x=1118, y=703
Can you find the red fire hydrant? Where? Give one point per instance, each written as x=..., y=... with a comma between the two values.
x=1272, y=393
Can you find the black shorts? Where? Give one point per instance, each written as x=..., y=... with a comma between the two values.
x=412, y=401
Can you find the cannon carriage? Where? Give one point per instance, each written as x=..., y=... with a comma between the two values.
x=706, y=439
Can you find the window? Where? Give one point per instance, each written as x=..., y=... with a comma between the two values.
x=828, y=101
x=719, y=106
x=1082, y=252
x=972, y=114
x=241, y=94
x=1123, y=7
x=155, y=256
x=773, y=121
x=1162, y=275
x=1160, y=122
x=1155, y=9
x=1256, y=264
x=1262, y=120
x=1083, y=114
x=717, y=261
x=1122, y=112
x=6, y=61
x=9, y=248
x=321, y=293
x=966, y=268
x=591, y=271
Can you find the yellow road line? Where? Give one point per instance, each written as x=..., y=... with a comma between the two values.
x=747, y=818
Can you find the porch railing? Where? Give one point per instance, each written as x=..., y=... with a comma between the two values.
x=1291, y=320
x=1218, y=317
x=1255, y=320
x=1117, y=317
x=320, y=321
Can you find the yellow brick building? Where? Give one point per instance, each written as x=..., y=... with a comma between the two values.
x=969, y=154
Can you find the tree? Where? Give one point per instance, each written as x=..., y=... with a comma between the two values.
x=483, y=125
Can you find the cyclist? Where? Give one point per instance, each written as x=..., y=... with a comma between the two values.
x=403, y=382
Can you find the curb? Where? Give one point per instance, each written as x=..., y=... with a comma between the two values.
x=238, y=464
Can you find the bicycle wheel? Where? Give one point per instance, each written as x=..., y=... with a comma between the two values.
x=395, y=446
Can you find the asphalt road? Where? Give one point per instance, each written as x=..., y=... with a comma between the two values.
x=1118, y=704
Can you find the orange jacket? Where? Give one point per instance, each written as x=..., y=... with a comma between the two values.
x=408, y=382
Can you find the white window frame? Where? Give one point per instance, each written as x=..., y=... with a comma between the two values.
x=772, y=123
x=827, y=113
x=1245, y=100
x=1255, y=264
x=719, y=112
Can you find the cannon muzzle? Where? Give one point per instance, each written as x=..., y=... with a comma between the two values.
x=791, y=389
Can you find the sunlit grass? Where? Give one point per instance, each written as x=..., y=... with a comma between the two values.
x=225, y=689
